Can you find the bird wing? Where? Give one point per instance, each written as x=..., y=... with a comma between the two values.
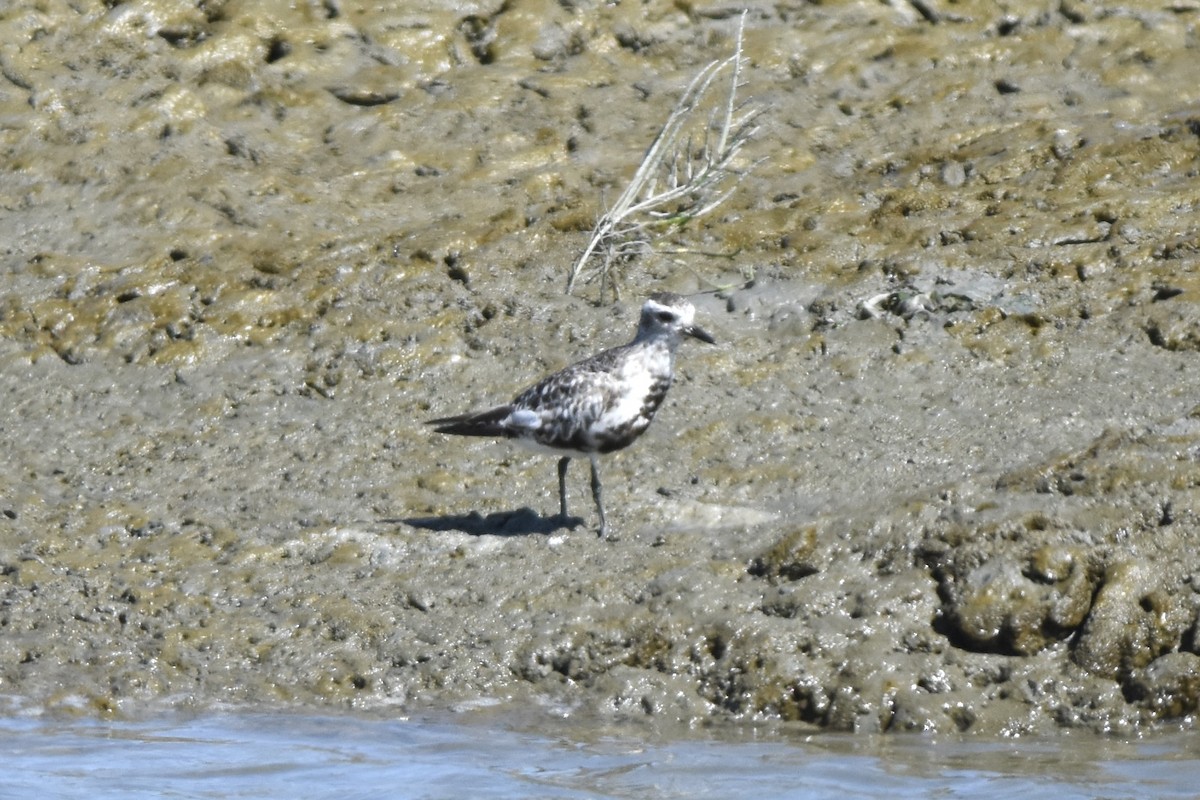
x=561, y=409
x=568, y=404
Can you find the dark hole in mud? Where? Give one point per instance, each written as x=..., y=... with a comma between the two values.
x=277, y=49
x=480, y=35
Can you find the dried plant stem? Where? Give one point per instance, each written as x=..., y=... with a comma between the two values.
x=695, y=180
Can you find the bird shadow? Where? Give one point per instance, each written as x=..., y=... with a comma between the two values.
x=521, y=522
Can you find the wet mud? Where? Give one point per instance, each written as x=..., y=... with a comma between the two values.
x=941, y=474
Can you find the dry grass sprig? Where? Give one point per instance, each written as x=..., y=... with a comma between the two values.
x=675, y=183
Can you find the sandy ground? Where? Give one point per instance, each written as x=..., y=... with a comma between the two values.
x=941, y=473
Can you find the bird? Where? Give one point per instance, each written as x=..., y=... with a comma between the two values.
x=595, y=406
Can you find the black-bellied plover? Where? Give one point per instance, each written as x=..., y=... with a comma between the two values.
x=597, y=405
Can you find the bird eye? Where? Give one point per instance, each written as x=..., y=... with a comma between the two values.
x=665, y=316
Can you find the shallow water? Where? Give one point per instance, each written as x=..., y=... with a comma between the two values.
x=221, y=756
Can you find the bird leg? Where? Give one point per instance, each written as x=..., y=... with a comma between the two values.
x=562, y=485
x=597, y=497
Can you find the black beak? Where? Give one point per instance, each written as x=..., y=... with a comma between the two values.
x=696, y=332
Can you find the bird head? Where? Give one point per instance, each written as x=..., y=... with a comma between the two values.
x=671, y=315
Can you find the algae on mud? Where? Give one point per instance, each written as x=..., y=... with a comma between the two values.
x=248, y=246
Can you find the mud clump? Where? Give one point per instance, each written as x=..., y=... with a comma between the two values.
x=1013, y=605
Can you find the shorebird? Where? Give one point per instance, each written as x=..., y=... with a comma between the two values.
x=595, y=406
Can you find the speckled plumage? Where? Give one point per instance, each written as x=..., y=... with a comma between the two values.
x=597, y=405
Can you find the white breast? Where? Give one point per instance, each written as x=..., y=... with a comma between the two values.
x=637, y=376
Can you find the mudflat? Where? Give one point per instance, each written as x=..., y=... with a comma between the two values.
x=940, y=475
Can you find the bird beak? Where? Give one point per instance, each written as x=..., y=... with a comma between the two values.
x=696, y=332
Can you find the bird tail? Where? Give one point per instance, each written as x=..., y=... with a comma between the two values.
x=482, y=423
